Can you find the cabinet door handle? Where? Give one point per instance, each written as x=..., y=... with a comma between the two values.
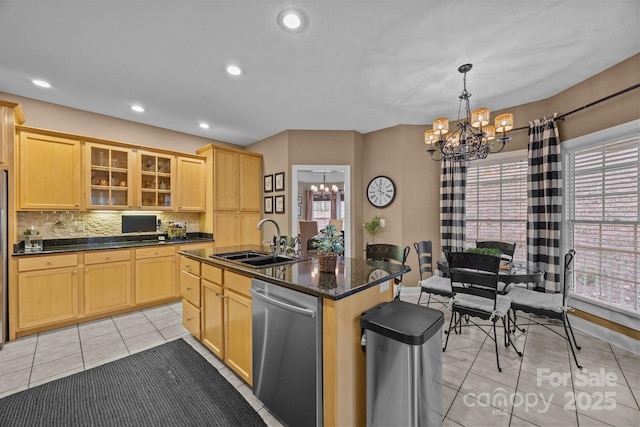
x=49, y=262
x=189, y=319
x=75, y=271
x=108, y=256
x=86, y=270
x=188, y=289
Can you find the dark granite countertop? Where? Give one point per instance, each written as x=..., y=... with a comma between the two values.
x=353, y=275
x=115, y=242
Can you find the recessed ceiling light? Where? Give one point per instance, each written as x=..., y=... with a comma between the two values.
x=292, y=20
x=138, y=108
x=204, y=125
x=41, y=83
x=234, y=70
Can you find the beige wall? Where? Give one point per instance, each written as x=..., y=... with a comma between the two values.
x=304, y=147
x=64, y=119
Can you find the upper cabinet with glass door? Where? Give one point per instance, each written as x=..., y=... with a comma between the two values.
x=155, y=181
x=109, y=177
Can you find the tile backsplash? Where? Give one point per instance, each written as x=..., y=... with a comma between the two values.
x=62, y=225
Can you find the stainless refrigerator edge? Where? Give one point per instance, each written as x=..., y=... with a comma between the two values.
x=4, y=257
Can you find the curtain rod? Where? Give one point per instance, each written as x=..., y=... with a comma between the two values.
x=613, y=95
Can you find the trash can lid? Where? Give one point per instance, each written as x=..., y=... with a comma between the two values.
x=408, y=323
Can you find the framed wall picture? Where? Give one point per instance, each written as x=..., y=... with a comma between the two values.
x=299, y=210
x=279, y=181
x=299, y=200
x=279, y=201
x=268, y=204
x=268, y=183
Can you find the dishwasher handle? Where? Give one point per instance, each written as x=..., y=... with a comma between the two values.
x=283, y=305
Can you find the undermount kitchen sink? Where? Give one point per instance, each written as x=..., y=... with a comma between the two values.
x=258, y=259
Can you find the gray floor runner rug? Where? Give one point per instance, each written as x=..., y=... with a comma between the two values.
x=169, y=385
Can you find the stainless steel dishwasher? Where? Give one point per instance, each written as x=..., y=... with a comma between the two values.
x=287, y=353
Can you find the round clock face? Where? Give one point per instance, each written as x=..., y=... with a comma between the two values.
x=381, y=191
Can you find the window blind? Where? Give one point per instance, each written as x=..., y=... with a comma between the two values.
x=602, y=220
x=496, y=204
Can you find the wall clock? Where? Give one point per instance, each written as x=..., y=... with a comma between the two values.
x=381, y=191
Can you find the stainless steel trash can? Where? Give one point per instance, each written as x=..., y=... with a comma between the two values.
x=404, y=364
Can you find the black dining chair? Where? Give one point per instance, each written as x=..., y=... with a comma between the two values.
x=474, y=283
x=506, y=248
x=387, y=252
x=430, y=283
x=549, y=305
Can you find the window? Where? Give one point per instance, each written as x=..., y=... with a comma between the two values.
x=322, y=212
x=321, y=209
x=602, y=215
x=496, y=201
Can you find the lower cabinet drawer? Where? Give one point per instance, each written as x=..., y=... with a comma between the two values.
x=190, y=288
x=191, y=318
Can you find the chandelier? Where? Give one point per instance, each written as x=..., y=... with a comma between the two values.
x=324, y=188
x=473, y=138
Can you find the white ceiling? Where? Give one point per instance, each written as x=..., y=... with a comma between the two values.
x=358, y=65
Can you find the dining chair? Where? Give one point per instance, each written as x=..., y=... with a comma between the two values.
x=549, y=305
x=474, y=284
x=307, y=229
x=337, y=222
x=507, y=249
x=430, y=283
x=387, y=252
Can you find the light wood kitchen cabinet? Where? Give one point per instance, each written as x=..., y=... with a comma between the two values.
x=107, y=281
x=155, y=181
x=249, y=234
x=190, y=292
x=155, y=276
x=109, y=177
x=10, y=115
x=226, y=228
x=237, y=323
x=250, y=183
x=47, y=290
x=213, y=317
x=49, y=172
x=226, y=180
x=234, y=178
x=191, y=188
x=225, y=310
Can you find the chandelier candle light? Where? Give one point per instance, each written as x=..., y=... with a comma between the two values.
x=324, y=187
x=473, y=138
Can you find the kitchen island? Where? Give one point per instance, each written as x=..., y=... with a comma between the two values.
x=356, y=286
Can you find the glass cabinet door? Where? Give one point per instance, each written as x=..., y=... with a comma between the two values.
x=156, y=181
x=109, y=178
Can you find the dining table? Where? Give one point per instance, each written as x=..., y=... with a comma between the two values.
x=517, y=272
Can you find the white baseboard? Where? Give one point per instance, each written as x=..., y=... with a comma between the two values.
x=606, y=334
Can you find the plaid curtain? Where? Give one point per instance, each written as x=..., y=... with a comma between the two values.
x=453, y=179
x=544, y=190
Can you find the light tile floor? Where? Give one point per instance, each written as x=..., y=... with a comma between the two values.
x=542, y=388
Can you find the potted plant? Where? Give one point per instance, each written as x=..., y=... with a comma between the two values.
x=330, y=243
x=374, y=227
x=485, y=251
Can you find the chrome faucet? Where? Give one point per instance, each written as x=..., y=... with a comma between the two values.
x=259, y=226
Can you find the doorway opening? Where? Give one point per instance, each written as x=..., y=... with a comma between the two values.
x=304, y=207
